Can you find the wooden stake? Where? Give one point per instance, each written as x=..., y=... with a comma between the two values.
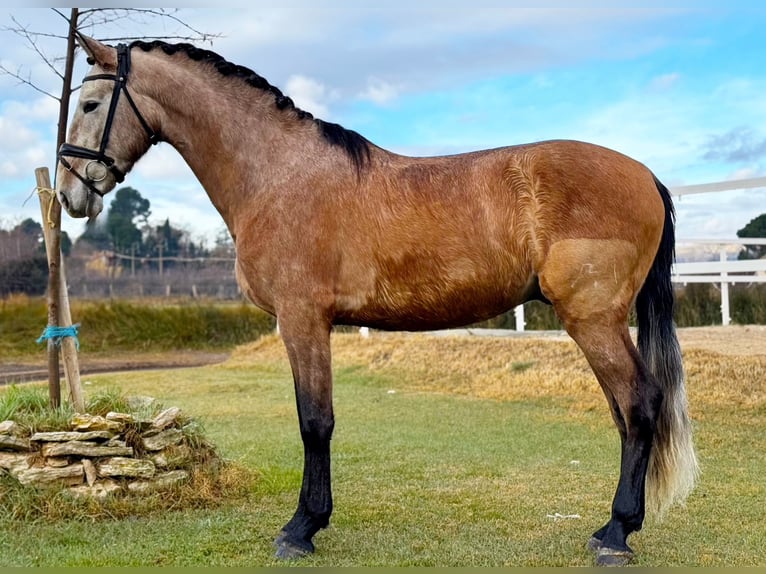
x=59, y=313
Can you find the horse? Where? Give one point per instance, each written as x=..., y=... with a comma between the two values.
x=331, y=229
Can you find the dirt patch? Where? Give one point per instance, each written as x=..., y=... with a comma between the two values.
x=23, y=371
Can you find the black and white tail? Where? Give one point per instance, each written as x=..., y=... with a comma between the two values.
x=673, y=467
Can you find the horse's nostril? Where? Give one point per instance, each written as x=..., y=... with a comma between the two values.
x=64, y=201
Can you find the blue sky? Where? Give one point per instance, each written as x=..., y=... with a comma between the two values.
x=678, y=85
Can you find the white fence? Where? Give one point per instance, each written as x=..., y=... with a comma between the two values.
x=722, y=272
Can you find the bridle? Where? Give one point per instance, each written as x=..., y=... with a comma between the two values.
x=96, y=169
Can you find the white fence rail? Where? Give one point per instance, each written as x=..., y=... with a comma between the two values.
x=722, y=272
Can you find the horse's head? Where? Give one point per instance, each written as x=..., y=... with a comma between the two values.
x=107, y=135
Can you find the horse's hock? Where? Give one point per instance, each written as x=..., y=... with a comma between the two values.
x=101, y=454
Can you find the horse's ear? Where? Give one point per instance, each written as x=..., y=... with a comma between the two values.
x=98, y=53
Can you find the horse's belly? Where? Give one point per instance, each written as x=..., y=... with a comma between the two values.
x=414, y=300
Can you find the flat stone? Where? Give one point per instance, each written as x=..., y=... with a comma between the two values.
x=11, y=428
x=166, y=418
x=128, y=467
x=14, y=460
x=100, y=489
x=91, y=474
x=124, y=418
x=66, y=436
x=94, y=422
x=171, y=478
x=178, y=456
x=164, y=480
x=163, y=440
x=159, y=459
x=11, y=442
x=57, y=461
x=84, y=448
x=72, y=474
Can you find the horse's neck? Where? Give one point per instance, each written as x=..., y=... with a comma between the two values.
x=238, y=143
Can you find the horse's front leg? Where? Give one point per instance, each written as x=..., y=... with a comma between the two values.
x=307, y=340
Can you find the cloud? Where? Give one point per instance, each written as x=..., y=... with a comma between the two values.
x=379, y=91
x=418, y=46
x=27, y=137
x=664, y=81
x=43, y=109
x=14, y=134
x=162, y=163
x=309, y=95
x=740, y=144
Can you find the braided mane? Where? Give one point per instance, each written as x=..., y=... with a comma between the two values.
x=356, y=146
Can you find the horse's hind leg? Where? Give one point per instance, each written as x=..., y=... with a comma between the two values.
x=591, y=287
x=634, y=398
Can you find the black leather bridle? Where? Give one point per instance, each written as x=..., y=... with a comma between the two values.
x=96, y=169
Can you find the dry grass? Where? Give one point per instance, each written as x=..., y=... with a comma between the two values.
x=520, y=369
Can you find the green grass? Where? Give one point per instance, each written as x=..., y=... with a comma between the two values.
x=29, y=406
x=420, y=479
x=122, y=325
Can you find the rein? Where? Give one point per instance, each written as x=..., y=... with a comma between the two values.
x=96, y=169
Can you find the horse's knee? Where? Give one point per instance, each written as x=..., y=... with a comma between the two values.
x=316, y=432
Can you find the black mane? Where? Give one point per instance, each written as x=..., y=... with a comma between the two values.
x=356, y=146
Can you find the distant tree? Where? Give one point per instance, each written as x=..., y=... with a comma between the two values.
x=23, y=241
x=66, y=243
x=126, y=211
x=28, y=276
x=756, y=228
x=33, y=232
x=169, y=241
x=95, y=235
x=224, y=245
x=31, y=228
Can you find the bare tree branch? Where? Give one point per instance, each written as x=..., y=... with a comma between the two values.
x=31, y=39
x=91, y=19
x=27, y=81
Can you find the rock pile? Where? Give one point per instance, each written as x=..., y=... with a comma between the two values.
x=100, y=455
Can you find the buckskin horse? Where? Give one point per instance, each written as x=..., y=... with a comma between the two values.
x=331, y=229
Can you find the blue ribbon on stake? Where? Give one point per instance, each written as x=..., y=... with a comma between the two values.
x=58, y=333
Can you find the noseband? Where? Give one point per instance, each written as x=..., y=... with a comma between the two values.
x=96, y=169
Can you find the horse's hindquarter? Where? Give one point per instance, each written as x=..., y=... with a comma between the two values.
x=597, y=220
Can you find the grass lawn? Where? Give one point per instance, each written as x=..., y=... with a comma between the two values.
x=421, y=477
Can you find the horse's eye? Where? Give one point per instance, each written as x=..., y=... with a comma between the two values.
x=89, y=107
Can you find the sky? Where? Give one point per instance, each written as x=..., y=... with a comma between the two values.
x=679, y=86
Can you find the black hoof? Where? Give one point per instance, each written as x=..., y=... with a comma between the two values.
x=290, y=549
x=594, y=544
x=612, y=557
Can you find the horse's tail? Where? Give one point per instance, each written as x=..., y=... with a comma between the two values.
x=673, y=465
